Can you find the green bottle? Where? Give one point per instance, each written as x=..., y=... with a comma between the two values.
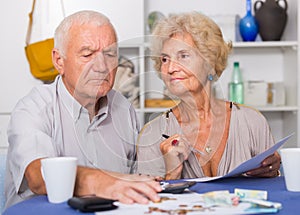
x=236, y=86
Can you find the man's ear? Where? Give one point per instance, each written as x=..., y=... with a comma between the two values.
x=58, y=61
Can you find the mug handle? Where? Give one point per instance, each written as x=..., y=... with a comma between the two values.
x=42, y=173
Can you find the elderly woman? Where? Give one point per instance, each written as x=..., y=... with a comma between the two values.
x=202, y=135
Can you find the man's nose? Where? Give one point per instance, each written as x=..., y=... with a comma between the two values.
x=100, y=63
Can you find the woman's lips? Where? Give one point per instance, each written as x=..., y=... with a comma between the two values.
x=176, y=79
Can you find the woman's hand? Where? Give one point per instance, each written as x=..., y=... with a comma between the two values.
x=269, y=167
x=175, y=150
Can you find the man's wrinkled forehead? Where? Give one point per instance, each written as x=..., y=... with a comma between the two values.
x=103, y=36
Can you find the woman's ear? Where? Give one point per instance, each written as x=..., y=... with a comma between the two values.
x=58, y=61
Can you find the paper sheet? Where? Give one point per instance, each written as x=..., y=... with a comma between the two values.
x=186, y=203
x=250, y=164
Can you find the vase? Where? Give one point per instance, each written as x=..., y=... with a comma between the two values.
x=248, y=25
x=271, y=16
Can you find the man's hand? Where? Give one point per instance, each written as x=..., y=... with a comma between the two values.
x=34, y=178
x=269, y=167
x=125, y=188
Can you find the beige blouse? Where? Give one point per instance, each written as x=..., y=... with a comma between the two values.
x=249, y=135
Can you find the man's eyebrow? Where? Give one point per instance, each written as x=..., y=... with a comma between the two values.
x=105, y=49
x=86, y=48
x=110, y=48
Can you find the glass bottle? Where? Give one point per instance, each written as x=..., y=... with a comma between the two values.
x=248, y=25
x=236, y=86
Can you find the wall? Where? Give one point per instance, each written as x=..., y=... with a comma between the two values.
x=128, y=17
x=16, y=79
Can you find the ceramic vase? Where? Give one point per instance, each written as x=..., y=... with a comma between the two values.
x=248, y=25
x=271, y=16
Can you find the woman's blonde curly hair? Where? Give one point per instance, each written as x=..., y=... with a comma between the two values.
x=206, y=35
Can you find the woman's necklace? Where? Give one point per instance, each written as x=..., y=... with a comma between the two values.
x=208, y=149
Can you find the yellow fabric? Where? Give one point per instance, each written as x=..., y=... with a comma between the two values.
x=39, y=54
x=39, y=58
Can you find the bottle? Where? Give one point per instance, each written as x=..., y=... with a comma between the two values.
x=248, y=25
x=236, y=86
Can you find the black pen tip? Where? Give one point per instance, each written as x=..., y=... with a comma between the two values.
x=165, y=136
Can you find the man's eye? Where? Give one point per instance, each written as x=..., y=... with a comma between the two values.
x=111, y=54
x=164, y=59
x=87, y=55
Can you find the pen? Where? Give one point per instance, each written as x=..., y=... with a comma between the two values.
x=193, y=149
x=165, y=136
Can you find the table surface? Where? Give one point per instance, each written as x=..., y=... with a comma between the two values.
x=275, y=186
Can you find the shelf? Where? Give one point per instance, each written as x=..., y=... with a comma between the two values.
x=277, y=108
x=261, y=44
x=271, y=44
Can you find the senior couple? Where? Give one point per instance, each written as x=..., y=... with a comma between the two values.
x=80, y=115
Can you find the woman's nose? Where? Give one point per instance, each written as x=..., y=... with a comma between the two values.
x=173, y=67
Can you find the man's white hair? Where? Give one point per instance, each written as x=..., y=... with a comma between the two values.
x=61, y=34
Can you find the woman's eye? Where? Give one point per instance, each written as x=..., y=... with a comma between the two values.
x=183, y=56
x=164, y=59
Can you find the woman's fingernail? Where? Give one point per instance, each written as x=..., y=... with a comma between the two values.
x=175, y=142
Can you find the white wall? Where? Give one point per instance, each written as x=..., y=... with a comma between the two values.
x=16, y=79
x=127, y=15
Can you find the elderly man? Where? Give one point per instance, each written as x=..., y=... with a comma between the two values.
x=79, y=115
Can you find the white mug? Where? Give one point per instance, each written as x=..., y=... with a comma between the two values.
x=59, y=174
x=290, y=158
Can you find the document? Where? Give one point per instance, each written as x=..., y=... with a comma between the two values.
x=185, y=203
x=250, y=164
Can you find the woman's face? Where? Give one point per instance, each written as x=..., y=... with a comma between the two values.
x=182, y=66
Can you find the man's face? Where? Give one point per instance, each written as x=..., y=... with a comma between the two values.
x=91, y=59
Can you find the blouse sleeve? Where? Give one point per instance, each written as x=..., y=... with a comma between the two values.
x=249, y=135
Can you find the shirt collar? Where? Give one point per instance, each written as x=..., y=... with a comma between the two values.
x=75, y=108
x=72, y=105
